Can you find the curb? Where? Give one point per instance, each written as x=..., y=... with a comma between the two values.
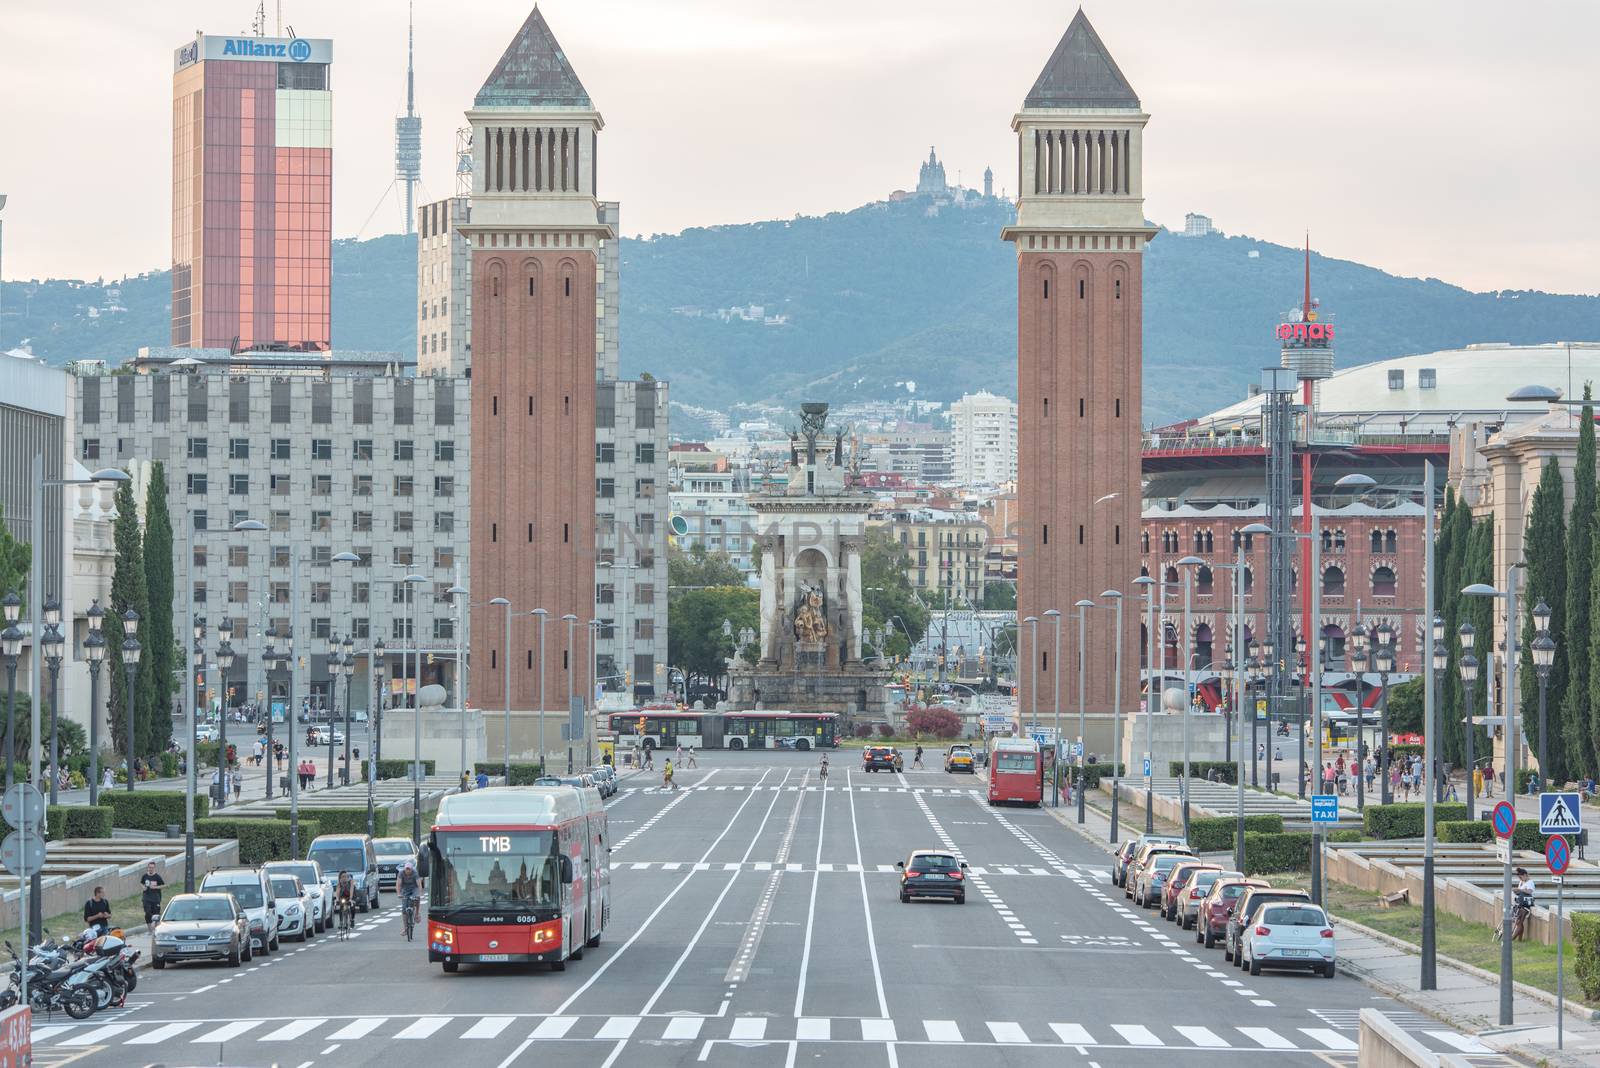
x=1574, y=1008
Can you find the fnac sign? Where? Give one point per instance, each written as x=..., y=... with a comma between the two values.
x=1304, y=332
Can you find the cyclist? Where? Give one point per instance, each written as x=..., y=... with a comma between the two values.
x=1522, y=894
x=344, y=898
x=409, y=885
x=823, y=771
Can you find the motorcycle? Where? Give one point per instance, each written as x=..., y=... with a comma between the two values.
x=51, y=988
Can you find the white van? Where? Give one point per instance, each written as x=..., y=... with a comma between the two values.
x=251, y=888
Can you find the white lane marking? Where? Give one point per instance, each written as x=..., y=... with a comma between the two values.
x=620, y=953
x=1265, y=1037
x=1007, y=1031
x=489, y=1027
x=1202, y=1036
x=231, y=1031
x=811, y=910
x=513, y=1055
x=161, y=1034
x=1072, y=1034
x=942, y=1030
x=748, y=1028
x=1137, y=1034
x=684, y=1027
x=711, y=912
x=1464, y=1043
x=1328, y=1037
x=866, y=908
x=554, y=1027
x=45, y=1034
x=359, y=1028
x=424, y=1027
x=294, y=1029
x=98, y=1035
x=878, y=1031
x=618, y=1027
x=814, y=1030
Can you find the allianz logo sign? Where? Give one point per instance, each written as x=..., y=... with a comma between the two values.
x=297, y=50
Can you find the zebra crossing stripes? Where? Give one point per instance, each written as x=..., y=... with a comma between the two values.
x=683, y=1028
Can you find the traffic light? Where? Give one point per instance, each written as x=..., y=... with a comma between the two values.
x=639, y=725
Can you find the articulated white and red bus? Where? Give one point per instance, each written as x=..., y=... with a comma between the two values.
x=1016, y=771
x=668, y=728
x=518, y=874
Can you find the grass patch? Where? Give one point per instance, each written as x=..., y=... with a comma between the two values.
x=1471, y=943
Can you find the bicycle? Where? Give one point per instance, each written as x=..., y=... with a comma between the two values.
x=346, y=918
x=1519, y=923
x=408, y=912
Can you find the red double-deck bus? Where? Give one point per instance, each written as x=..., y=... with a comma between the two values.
x=518, y=874
x=1016, y=771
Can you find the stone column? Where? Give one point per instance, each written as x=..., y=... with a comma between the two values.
x=771, y=606
x=850, y=548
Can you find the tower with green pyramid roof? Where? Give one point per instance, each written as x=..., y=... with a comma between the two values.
x=534, y=233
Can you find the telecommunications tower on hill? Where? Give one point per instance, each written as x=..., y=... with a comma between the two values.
x=408, y=134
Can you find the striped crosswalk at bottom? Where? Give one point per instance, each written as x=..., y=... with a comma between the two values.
x=692, y=1028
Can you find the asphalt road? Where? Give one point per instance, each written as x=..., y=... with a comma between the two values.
x=757, y=922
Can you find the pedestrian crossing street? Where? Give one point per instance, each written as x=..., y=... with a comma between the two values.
x=807, y=869
x=811, y=788
x=173, y=1034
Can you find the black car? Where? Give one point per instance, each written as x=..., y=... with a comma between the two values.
x=880, y=758
x=930, y=873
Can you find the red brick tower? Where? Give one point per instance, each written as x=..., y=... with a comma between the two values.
x=1079, y=234
x=534, y=232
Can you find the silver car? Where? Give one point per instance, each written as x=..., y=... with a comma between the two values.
x=201, y=927
x=297, y=915
x=1288, y=934
x=309, y=872
x=1152, y=878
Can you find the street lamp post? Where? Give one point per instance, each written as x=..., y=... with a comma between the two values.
x=1187, y=563
x=540, y=614
x=1469, y=676
x=569, y=619
x=1358, y=660
x=50, y=643
x=505, y=667
x=1303, y=655
x=1513, y=740
x=1151, y=689
x=459, y=592
x=1033, y=668
x=191, y=771
x=335, y=669
x=11, y=649
x=1116, y=706
x=130, y=667
x=94, y=651
x=375, y=667
x=1082, y=605
x=1054, y=617
x=1544, y=657
x=1383, y=661
x=1269, y=669
x=224, y=664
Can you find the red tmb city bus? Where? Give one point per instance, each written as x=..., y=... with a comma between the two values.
x=518, y=874
x=1016, y=772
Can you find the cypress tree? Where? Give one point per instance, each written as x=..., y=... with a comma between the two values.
x=127, y=591
x=1577, y=741
x=155, y=730
x=1478, y=566
x=1545, y=551
x=1449, y=553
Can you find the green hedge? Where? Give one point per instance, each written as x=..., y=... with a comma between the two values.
x=1290, y=851
x=1214, y=834
x=1526, y=836
x=1227, y=771
x=395, y=769
x=1586, y=941
x=1093, y=773
x=1345, y=834
x=259, y=840
x=521, y=774
x=1524, y=776
x=78, y=821
x=347, y=820
x=1404, y=820
x=152, y=810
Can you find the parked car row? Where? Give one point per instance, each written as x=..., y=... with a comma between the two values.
x=1259, y=925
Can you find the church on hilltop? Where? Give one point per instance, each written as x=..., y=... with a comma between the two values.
x=930, y=179
x=932, y=185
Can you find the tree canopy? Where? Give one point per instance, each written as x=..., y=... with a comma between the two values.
x=15, y=558
x=697, y=568
x=888, y=601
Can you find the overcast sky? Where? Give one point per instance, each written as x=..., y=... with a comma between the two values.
x=1445, y=138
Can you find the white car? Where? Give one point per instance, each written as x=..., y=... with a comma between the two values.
x=309, y=872
x=320, y=735
x=205, y=732
x=297, y=918
x=1288, y=934
x=253, y=891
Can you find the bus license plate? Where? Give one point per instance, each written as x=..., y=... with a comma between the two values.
x=494, y=957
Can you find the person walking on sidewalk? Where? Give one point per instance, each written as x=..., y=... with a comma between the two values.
x=1488, y=779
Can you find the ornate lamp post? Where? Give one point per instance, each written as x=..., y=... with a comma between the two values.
x=379, y=667
x=1269, y=649
x=1253, y=666
x=130, y=666
x=1054, y=616
x=94, y=651
x=224, y=663
x=50, y=642
x=11, y=649
x=1383, y=661
x=1469, y=676
x=349, y=674
x=335, y=670
x=1358, y=661
x=1441, y=664
x=1300, y=649
x=1544, y=658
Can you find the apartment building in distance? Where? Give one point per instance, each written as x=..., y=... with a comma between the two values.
x=715, y=509
x=983, y=440
x=947, y=549
x=631, y=503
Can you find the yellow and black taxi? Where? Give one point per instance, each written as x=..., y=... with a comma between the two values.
x=959, y=758
x=881, y=758
x=932, y=873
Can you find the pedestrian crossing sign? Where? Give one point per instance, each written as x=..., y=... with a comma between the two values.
x=1559, y=813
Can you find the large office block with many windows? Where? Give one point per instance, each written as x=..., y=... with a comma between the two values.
x=334, y=452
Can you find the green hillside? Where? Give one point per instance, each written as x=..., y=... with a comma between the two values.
x=858, y=304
